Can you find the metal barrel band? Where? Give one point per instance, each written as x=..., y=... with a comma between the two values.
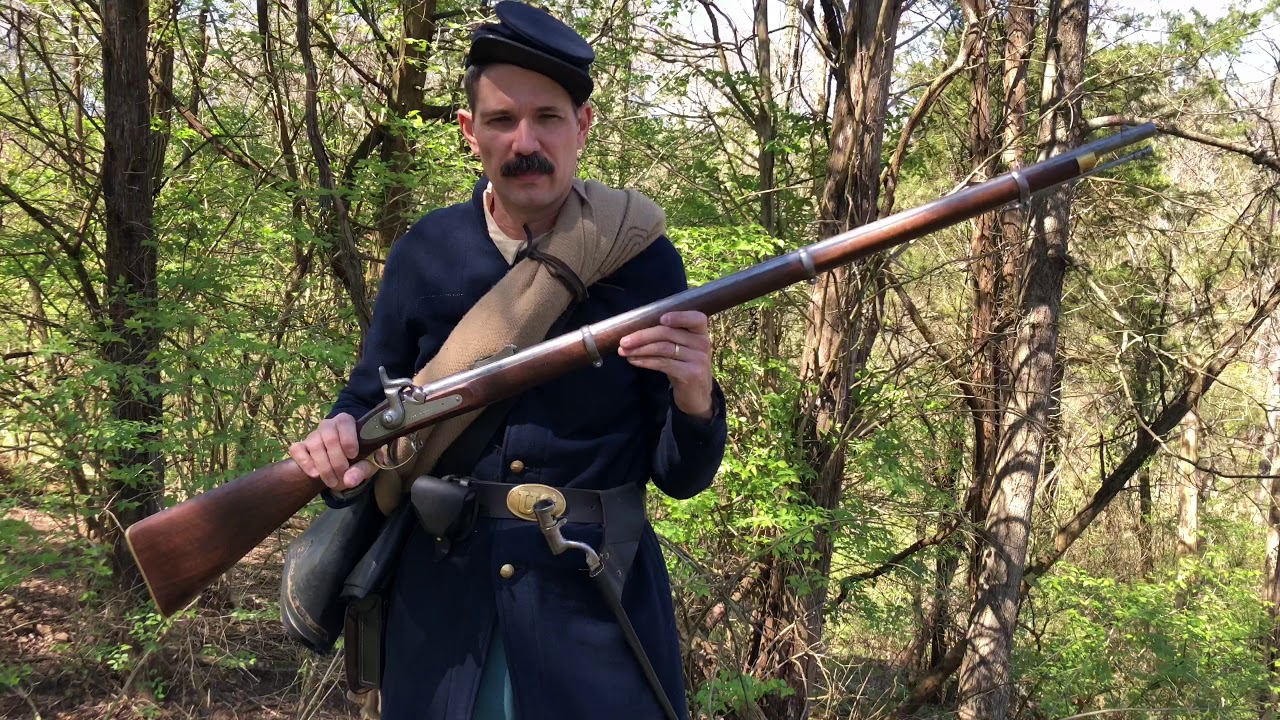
x=589, y=344
x=1024, y=188
x=810, y=269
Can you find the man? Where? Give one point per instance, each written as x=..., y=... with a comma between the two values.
x=491, y=624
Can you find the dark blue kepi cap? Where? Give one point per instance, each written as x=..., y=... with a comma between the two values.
x=533, y=39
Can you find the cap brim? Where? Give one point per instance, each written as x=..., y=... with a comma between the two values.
x=491, y=49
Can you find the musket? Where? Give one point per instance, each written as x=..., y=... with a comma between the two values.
x=182, y=549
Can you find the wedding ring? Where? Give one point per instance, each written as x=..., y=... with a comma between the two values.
x=677, y=351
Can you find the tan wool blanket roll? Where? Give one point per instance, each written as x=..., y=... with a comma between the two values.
x=598, y=230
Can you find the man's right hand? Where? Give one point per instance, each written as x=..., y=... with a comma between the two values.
x=327, y=451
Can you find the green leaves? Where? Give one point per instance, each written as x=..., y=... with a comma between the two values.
x=16, y=561
x=257, y=334
x=732, y=691
x=1185, y=639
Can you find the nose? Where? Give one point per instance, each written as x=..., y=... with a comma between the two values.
x=524, y=141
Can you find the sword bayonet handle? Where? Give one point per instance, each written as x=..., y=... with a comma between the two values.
x=550, y=525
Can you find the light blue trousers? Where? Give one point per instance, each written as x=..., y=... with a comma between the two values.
x=494, y=700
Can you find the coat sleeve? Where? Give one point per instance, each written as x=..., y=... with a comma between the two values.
x=389, y=342
x=688, y=450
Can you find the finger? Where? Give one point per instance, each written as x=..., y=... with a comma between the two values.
x=347, y=435
x=338, y=463
x=357, y=474
x=319, y=457
x=660, y=334
x=298, y=451
x=691, y=320
x=662, y=348
x=642, y=337
x=688, y=339
x=678, y=371
x=687, y=354
x=663, y=365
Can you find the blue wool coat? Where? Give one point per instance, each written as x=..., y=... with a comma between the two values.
x=596, y=428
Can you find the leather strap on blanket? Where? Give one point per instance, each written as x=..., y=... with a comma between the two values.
x=598, y=230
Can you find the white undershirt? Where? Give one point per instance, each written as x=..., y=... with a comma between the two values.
x=506, y=245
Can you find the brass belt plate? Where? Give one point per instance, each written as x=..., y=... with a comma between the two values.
x=521, y=498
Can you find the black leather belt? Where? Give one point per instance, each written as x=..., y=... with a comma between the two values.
x=620, y=510
x=447, y=508
x=515, y=502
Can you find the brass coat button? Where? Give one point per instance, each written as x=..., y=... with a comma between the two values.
x=507, y=571
x=517, y=466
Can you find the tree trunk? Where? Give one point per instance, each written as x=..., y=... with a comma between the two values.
x=1193, y=387
x=136, y=468
x=162, y=53
x=842, y=323
x=1189, y=486
x=1146, y=535
x=940, y=624
x=407, y=96
x=767, y=163
x=984, y=276
x=984, y=672
x=77, y=90
x=1019, y=40
x=1147, y=381
x=940, y=620
x=1268, y=465
x=984, y=255
x=278, y=109
x=766, y=154
x=202, y=57
x=1270, y=461
x=333, y=223
x=302, y=255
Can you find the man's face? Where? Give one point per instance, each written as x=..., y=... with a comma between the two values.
x=527, y=134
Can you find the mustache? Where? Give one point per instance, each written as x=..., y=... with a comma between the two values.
x=525, y=164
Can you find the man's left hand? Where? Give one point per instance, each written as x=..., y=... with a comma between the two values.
x=681, y=348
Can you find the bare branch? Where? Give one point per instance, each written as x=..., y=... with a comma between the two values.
x=56, y=229
x=948, y=361
x=734, y=95
x=332, y=45
x=194, y=123
x=931, y=684
x=893, y=562
x=889, y=176
x=1152, y=434
x=345, y=259
x=1257, y=155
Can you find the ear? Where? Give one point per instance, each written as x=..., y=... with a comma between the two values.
x=466, y=123
x=585, y=116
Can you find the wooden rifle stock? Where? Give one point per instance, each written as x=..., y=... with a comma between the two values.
x=182, y=549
